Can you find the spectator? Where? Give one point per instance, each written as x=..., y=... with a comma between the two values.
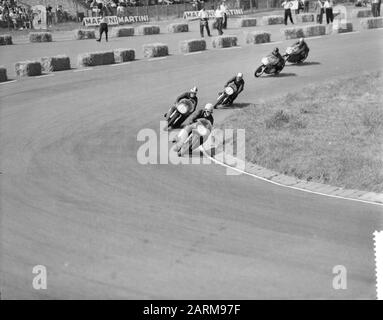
x=379, y=5
x=319, y=11
x=203, y=22
x=219, y=18
x=329, y=13
x=374, y=8
x=49, y=16
x=306, y=4
x=287, y=4
x=120, y=10
x=103, y=27
x=225, y=9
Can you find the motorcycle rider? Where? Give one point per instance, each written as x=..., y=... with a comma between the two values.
x=205, y=113
x=191, y=95
x=275, y=53
x=301, y=45
x=240, y=84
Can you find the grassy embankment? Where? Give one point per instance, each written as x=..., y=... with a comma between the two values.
x=330, y=133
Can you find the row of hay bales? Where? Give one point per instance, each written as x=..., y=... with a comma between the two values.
x=3, y=74
x=304, y=31
x=91, y=59
x=40, y=37
x=5, y=40
x=44, y=64
x=372, y=23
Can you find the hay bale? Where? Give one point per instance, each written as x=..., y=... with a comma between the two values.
x=269, y=20
x=306, y=17
x=293, y=33
x=247, y=22
x=361, y=13
x=3, y=74
x=255, y=37
x=148, y=29
x=40, y=37
x=314, y=30
x=178, y=27
x=124, y=55
x=90, y=59
x=122, y=32
x=81, y=34
x=372, y=23
x=28, y=68
x=342, y=27
x=224, y=41
x=5, y=39
x=192, y=45
x=56, y=63
x=155, y=50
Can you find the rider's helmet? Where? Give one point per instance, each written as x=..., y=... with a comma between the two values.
x=209, y=107
x=275, y=51
x=301, y=40
x=239, y=76
x=193, y=91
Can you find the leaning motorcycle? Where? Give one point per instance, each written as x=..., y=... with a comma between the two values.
x=268, y=66
x=295, y=55
x=196, y=137
x=224, y=97
x=182, y=111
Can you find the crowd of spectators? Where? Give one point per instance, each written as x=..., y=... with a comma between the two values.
x=14, y=15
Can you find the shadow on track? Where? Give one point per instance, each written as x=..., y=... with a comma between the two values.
x=308, y=63
x=236, y=105
x=280, y=75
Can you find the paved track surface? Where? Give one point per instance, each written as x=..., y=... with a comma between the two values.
x=75, y=199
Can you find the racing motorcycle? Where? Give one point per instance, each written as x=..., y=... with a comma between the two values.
x=224, y=97
x=182, y=111
x=199, y=133
x=295, y=55
x=268, y=66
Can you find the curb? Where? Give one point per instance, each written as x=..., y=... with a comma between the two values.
x=277, y=178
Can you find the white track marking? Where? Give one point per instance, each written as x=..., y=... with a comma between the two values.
x=155, y=59
x=6, y=82
x=120, y=64
x=235, y=47
x=317, y=37
x=82, y=70
x=282, y=185
x=345, y=33
x=192, y=53
x=45, y=75
x=266, y=43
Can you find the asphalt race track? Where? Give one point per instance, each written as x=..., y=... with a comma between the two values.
x=75, y=199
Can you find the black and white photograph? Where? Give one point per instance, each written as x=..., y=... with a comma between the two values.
x=191, y=150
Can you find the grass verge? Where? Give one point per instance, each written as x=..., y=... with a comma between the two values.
x=330, y=133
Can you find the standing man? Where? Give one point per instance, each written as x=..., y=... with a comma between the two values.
x=374, y=7
x=203, y=21
x=103, y=27
x=319, y=11
x=219, y=18
x=287, y=4
x=225, y=9
x=328, y=8
x=379, y=5
x=306, y=5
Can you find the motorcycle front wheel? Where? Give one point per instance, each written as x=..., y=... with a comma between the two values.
x=259, y=71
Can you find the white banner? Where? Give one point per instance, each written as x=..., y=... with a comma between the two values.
x=114, y=20
x=194, y=14
x=39, y=17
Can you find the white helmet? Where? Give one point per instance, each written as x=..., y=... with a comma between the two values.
x=301, y=40
x=239, y=75
x=209, y=107
x=194, y=90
